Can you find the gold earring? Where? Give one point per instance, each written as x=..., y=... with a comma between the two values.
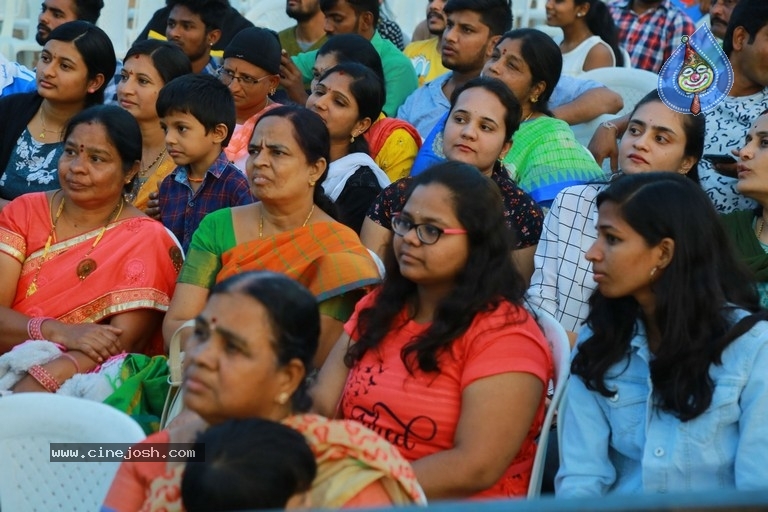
x=653, y=271
x=352, y=139
x=534, y=99
x=272, y=91
x=282, y=398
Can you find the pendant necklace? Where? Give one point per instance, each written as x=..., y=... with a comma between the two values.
x=87, y=265
x=42, y=123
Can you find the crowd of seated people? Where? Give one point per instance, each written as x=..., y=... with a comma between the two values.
x=353, y=245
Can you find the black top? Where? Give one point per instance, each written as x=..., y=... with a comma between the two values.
x=16, y=110
x=358, y=195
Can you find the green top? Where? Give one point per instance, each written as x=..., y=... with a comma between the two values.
x=289, y=43
x=399, y=77
x=546, y=158
x=740, y=226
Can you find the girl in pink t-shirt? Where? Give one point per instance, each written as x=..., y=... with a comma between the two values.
x=442, y=360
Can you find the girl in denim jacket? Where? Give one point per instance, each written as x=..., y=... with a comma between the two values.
x=670, y=389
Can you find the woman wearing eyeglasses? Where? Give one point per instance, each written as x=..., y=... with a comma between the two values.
x=484, y=114
x=442, y=359
x=250, y=70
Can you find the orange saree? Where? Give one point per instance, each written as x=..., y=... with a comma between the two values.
x=133, y=266
x=326, y=257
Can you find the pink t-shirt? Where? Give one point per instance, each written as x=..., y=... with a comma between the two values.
x=419, y=413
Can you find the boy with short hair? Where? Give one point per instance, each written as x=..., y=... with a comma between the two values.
x=197, y=113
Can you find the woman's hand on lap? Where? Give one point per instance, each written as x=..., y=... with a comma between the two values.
x=97, y=341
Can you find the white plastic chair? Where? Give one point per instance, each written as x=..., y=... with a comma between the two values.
x=114, y=21
x=29, y=481
x=630, y=83
x=407, y=13
x=11, y=46
x=561, y=356
x=627, y=58
x=556, y=33
x=269, y=14
x=26, y=19
x=139, y=15
x=528, y=13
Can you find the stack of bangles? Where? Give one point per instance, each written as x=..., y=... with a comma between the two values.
x=37, y=372
x=34, y=327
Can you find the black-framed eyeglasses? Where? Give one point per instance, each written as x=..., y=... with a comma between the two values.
x=227, y=77
x=428, y=234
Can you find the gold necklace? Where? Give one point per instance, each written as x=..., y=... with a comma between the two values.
x=42, y=122
x=759, y=230
x=86, y=265
x=144, y=171
x=528, y=116
x=261, y=219
x=32, y=288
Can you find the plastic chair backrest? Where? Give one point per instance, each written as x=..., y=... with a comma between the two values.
x=114, y=21
x=10, y=11
x=269, y=13
x=561, y=356
x=29, y=481
x=630, y=83
x=407, y=13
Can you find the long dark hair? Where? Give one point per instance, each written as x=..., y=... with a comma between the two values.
x=600, y=22
x=695, y=295
x=488, y=278
x=312, y=136
x=293, y=316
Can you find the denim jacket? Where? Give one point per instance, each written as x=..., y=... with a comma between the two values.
x=622, y=444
